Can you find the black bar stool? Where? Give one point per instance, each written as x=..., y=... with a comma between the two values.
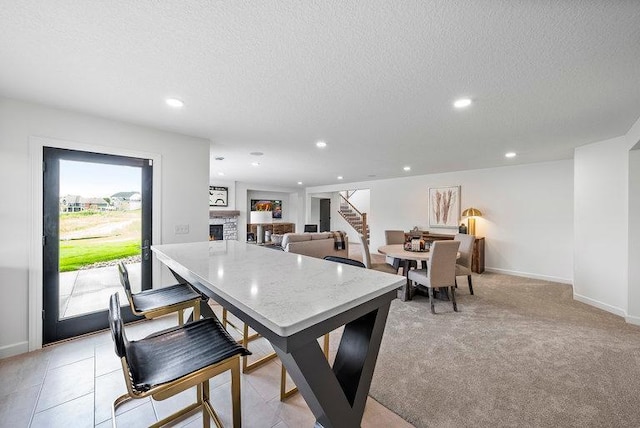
x=171, y=361
x=161, y=301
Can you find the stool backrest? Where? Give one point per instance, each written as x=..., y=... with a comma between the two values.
x=345, y=261
x=117, y=326
x=124, y=279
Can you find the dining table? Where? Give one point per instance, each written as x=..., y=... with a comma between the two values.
x=397, y=251
x=292, y=300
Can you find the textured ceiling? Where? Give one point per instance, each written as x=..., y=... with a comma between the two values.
x=375, y=80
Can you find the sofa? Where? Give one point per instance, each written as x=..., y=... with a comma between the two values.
x=317, y=245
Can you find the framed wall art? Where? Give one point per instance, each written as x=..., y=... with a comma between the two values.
x=218, y=196
x=444, y=207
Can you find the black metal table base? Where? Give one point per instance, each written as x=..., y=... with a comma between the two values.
x=336, y=395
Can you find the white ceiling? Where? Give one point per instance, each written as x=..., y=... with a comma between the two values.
x=375, y=79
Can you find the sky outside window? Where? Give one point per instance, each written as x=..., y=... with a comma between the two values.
x=96, y=180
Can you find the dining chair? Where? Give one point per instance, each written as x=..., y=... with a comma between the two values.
x=463, y=265
x=440, y=272
x=392, y=237
x=161, y=301
x=366, y=258
x=171, y=361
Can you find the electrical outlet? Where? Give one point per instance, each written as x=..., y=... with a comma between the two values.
x=182, y=229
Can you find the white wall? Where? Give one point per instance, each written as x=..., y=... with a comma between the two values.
x=607, y=239
x=314, y=216
x=183, y=191
x=633, y=309
x=361, y=199
x=601, y=217
x=528, y=213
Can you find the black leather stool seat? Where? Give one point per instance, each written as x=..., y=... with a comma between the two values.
x=173, y=360
x=176, y=352
x=150, y=300
x=161, y=301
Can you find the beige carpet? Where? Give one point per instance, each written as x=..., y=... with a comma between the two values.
x=520, y=353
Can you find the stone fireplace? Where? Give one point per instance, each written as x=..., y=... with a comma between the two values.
x=223, y=225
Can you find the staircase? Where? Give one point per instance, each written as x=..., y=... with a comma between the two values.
x=354, y=217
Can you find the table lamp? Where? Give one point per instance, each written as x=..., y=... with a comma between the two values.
x=472, y=213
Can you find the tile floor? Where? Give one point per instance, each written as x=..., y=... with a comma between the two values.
x=73, y=384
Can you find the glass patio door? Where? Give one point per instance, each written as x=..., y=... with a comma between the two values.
x=96, y=212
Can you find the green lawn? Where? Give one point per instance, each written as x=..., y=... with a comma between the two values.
x=77, y=253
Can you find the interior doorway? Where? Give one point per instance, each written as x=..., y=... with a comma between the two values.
x=96, y=211
x=325, y=215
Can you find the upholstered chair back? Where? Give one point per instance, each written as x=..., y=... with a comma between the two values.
x=441, y=267
x=466, y=248
x=394, y=237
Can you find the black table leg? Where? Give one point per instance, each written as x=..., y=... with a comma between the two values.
x=406, y=289
x=337, y=396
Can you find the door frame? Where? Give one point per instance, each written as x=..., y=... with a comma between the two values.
x=57, y=328
x=36, y=145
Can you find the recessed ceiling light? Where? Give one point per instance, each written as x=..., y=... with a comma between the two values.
x=510, y=155
x=219, y=158
x=339, y=177
x=256, y=153
x=462, y=103
x=255, y=163
x=321, y=144
x=299, y=182
x=174, y=102
x=221, y=173
x=371, y=175
x=407, y=168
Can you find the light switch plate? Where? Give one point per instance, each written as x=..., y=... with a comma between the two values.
x=182, y=229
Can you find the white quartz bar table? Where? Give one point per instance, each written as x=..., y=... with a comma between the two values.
x=292, y=300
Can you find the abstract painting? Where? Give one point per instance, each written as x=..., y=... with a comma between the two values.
x=444, y=207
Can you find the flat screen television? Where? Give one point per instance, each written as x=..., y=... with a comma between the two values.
x=273, y=205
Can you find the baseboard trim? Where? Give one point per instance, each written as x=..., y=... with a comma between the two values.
x=14, y=349
x=605, y=307
x=531, y=275
x=632, y=320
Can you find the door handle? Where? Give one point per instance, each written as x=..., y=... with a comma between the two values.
x=146, y=249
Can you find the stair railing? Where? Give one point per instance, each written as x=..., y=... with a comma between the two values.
x=363, y=217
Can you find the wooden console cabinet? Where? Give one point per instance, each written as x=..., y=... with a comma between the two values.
x=477, y=258
x=277, y=228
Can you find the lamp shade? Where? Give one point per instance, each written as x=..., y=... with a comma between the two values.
x=261, y=217
x=471, y=212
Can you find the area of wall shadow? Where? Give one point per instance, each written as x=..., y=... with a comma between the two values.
x=633, y=309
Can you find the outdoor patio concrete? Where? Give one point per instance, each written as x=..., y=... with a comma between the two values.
x=86, y=291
